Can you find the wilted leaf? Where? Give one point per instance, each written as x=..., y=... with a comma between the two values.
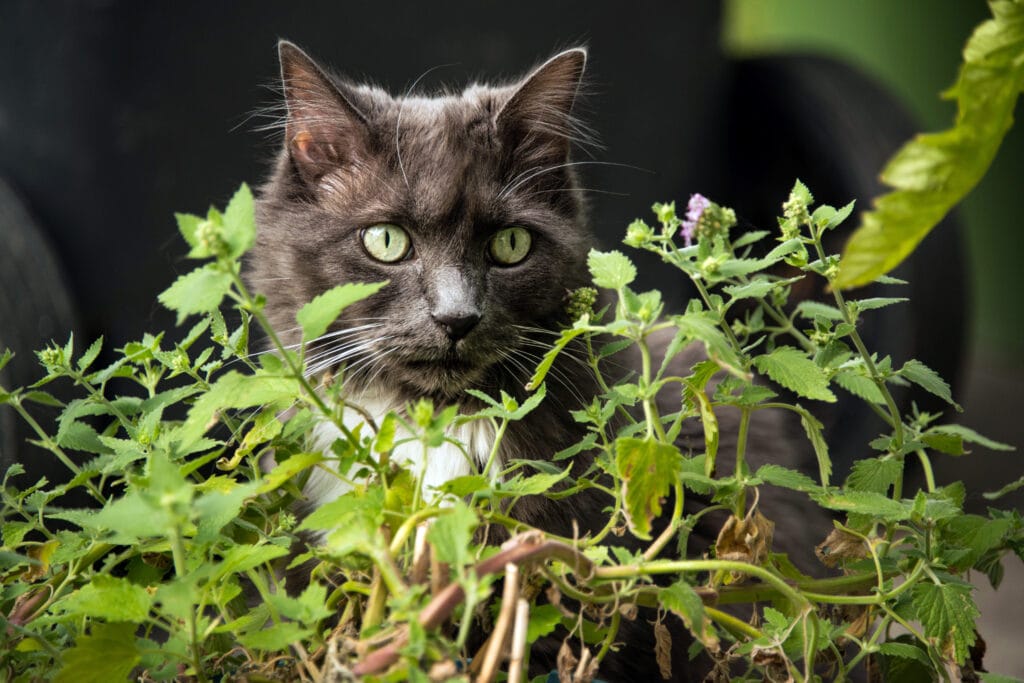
x=648, y=469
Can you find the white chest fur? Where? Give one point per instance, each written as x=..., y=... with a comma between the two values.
x=444, y=463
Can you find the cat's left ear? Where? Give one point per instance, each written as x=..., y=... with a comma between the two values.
x=539, y=112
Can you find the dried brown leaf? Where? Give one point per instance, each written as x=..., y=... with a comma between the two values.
x=663, y=650
x=839, y=546
x=745, y=540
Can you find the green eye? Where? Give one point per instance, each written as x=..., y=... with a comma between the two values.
x=386, y=242
x=511, y=245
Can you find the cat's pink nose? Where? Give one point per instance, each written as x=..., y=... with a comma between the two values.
x=457, y=325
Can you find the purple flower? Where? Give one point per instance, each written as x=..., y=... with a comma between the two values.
x=694, y=210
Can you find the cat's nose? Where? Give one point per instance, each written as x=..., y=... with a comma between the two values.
x=457, y=324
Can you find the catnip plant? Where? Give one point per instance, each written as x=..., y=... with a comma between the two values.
x=177, y=569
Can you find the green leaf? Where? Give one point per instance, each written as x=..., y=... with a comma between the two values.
x=241, y=558
x=277, y=637
x=543, y=620
x=681, y=599
x=872, y=303
x=756, y=289
x=904, y=660
x=947, y=613
x=197, y=292
x=971, y=436
x=316, y=316
x=549, y=358
x=999, y=678
x=1009, y=488
x=452, y=533
x=814, y=430
x=859, y=385
x=108, y=653
x=234, y=390
x=647, y=469
x=131, y=518
x=534, y=485
x=777, y=475
x=814, y=309
x=933, y=172
x=929, y=380
x=874, y=474
x=750, y=238
x=111, y=598
x=240, y=222
x=611, y=269
x=90, y=355
x=795, y=371
x=873, y=505
x=704, y=327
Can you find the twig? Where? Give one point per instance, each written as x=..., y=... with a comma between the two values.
x=515, y=662
x=519, y=550
x=496, y=643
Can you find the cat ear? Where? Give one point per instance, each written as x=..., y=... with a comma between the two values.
x=324, y=130
x=538, y=115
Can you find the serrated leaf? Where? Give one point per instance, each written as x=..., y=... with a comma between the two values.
x=647, y=469
x=777, y=475
x=815, y=434
x=904, y=650
x=316, y=316
x=859, y=385
x=108, y=653
x=702, y=326
x=780, y=252
x=875, y=302
x=239, y=229
x=584, y=445
x=197, y=292
x=840, y=215
x=681, y=599
x=874, y=474
x=188, y=226
x=90, y=355
x=750, y=238
x=864, y=503
x=234, y=390
x=815, y=309
x=947, y=613
x=549, y=357
x=793, y=370
x=929, y=380
x=535, y=484
x=756, y=289
x=543, y=620
x=611, y=269
x=111, y=598
x=79, y=436
x=451, y=534
x=971, y=436
x=277, y=637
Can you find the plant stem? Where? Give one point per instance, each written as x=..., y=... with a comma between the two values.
x=894, y=413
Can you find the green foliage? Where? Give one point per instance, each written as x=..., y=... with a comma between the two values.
x=933, y=172
x=177, y=568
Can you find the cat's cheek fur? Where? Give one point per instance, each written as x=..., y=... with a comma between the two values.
x=443, y=463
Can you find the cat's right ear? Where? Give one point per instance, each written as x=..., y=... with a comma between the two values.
x=324, y=130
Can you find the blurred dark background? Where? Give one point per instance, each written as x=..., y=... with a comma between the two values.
x=115, y=114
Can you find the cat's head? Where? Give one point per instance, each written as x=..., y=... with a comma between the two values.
x=465, y=203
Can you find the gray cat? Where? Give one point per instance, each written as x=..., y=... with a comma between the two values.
x=468, y=204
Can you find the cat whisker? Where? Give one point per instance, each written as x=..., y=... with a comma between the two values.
x=531, y=173
x=398, y=119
